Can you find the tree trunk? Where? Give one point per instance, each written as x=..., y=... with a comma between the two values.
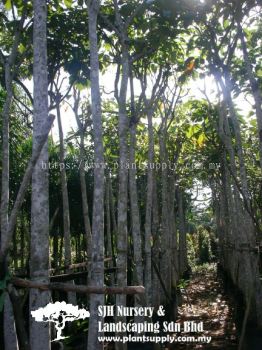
x=112, y=207
x=165, y=265
x=182, y=233
x=10, y=338
x=173, y=233
x=122, y=247
x=149, y=204
x=135, y=217
x=226, y=91
x=156, y=243
x=85, y=209
x=88, y=233
x=113, y=221
x=39, y=249
x=242, y=263
x=97, y=264
x=65, y=200
x=109, y=242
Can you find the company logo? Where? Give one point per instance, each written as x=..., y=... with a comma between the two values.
x=59, y=313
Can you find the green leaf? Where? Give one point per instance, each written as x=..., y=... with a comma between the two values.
x=201, y=140
x=259, y=73
x=21, y=48
x=193, y=129
x=8, y=5
x=68, y=3
x=226, y=24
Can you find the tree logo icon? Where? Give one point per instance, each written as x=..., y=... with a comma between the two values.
x=59, y=313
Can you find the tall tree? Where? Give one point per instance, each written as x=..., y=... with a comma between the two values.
x=9, y=72
x=82, y=130
x=65, y=198
x=122, y=204
x=135, y=215
x=97, y=264
x=39, y=248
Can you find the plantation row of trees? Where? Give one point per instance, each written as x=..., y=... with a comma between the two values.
x=112, y=201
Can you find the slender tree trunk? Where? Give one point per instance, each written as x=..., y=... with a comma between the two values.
x=65, y=200
x=22, y=241
x=182, y=233
x=85, y=209
x=135, y=217
x=39, y=248
x=113, y=221
x=10, y=338
x=55, y=250
x=112, y=207
x=88, y=233
x=122, y=246
x=165, y=229
x=173, y=233
x=97, y=267
x=156, y=242
x=108, y=222
x=109, y=250
x=149, y=204
x=226, y=90
x=60, y=252
x=242, y=263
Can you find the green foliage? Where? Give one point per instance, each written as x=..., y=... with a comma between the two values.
x=8, y=5
x=204, y=246
x=182, y=284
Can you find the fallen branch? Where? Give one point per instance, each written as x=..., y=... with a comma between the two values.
x=77, y=288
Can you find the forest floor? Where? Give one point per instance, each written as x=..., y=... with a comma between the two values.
x=204, y=299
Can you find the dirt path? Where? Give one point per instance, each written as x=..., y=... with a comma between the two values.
x=204, y=299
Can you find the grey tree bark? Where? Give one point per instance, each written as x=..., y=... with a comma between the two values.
x=112, y=207
x=241, y=263
x=39, y=248
x=109, y=246
x=65, y=200
x=122, y=245
x=122, y=191
x=173, y=232
x=82, y=129
x=135, y=215
x=165, y=263
x=10, y=337
x=97, y=263
x=182, y=234
x=156, y=242
x=149, y=205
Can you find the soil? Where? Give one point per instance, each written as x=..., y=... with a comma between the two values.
x=204, y=300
